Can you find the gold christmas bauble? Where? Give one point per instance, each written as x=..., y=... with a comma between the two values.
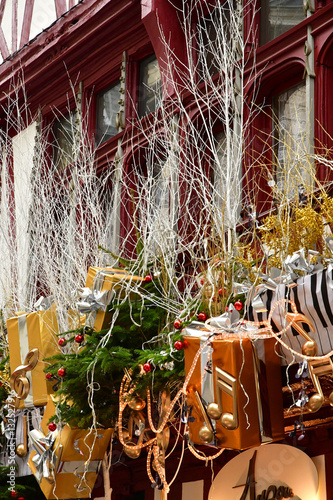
x=206, y=435
x=137, y=404
x=213, y=411
x=310, y=348
x=21, y=450
x=130, y=452
x=315, y=402
x=228, y=421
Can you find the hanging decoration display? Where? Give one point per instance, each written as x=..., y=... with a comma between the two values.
x=218, y=377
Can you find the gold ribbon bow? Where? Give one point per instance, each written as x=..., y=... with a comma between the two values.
x=19, y=381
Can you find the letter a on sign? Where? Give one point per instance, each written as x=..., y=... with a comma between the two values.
x=250, y=481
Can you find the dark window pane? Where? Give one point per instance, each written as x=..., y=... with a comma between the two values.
x=64, y=140
x=106, y=110
x=149, y=86
x=278, y=16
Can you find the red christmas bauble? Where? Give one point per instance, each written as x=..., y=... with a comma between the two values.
x=179, y=345
x=62, y=341
x=21, y=498
x=52, y=427
x=147, y=367
x=79, y=338
x=147, y=279
x=49, y=376
x=61, y=372
x=13, y=494
x=238, y=305
x=202, y=316
x=221, y=291
x=177, y=324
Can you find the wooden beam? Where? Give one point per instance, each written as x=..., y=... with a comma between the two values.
x=26, y=26
x=2, y=9
x=14, y=26
x=3, y=45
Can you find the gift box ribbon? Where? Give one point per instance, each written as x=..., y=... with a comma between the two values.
x=93, y=300
x=45, y=459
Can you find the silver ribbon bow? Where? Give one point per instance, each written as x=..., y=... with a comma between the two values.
x=294, y=262
x=298, y=262
x=93, y=300
x=44, y=303
x=226, y=320
x=45, y=458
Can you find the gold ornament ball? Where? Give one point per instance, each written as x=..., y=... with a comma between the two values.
x=21, y=450
x=206, y=435
x=130, y=452
x=309, y=348
x=315, y=402
x=137, y=404
x=228, y=421
x=213, y=411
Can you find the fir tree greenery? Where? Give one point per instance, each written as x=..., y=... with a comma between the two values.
x=129, y=346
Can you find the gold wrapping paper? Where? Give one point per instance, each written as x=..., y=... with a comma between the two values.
x=73, y=448
x=30, y=331
x=103, y=279
x=261, y=380
x=67, y=485
x=228, y=354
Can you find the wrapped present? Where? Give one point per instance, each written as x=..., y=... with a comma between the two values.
x=235, y=390
x=31, y=338
x=66, y=462
x=101, y=284
x=312, y=295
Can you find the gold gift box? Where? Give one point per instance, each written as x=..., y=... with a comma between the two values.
x=30, y=331
x=72, y=448
x=77, y=452
x=247, y=390
x=104, y=279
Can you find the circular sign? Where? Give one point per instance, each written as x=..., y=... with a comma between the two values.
x=267, y=472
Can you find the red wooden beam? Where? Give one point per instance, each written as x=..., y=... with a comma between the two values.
x=25, y=34
x=2, y=9
x=60, y=6
x=3, y=45
x=14, y=26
